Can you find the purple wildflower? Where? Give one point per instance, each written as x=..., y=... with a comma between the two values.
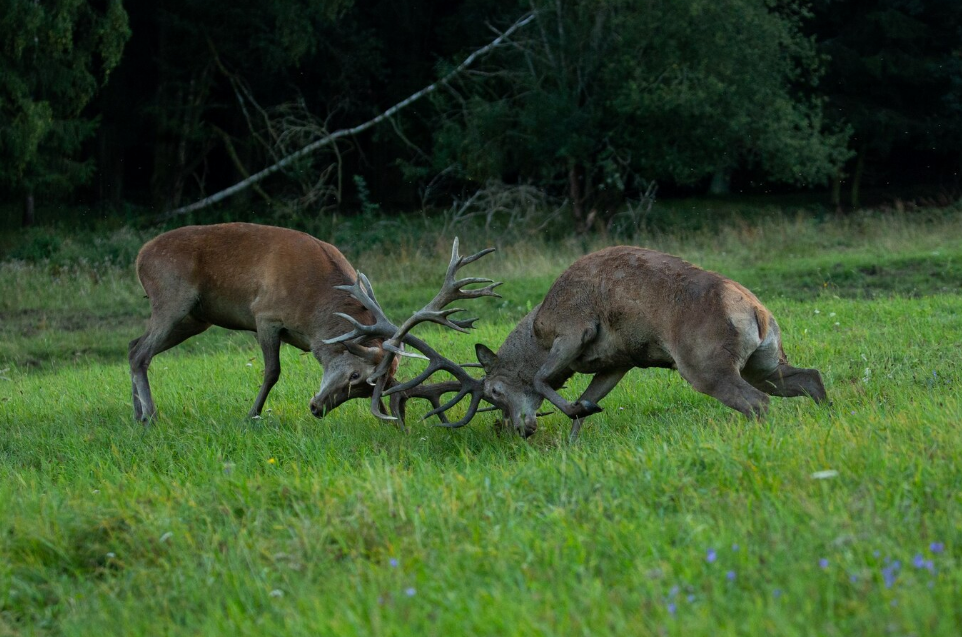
x=410, y=591
x=853, y=578
x=730, y=575
x=777, y=593
x=890, y=573
x=735, y=547
x=673, y=592
x=393, y=562
x=711, y=556
x=823, y=562
x=918, y=561
x=937, y=547
x=691, y=597
x=672, y=608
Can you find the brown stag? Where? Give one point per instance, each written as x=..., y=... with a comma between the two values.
x=617, y=309
x=281, y=284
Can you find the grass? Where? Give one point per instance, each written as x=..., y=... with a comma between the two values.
x=671, y=515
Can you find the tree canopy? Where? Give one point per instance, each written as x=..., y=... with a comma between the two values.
x=158, y=104
x=53, y=58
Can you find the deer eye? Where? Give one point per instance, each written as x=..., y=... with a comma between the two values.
x=355, y=375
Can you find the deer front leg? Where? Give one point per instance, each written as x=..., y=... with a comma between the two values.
x=597, y=389
x=564, y=351
x=269, y=337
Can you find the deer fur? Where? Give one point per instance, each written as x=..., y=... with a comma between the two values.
x=276, y=282
x=625, y=307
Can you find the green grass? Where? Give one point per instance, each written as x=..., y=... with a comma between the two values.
x=209, y=523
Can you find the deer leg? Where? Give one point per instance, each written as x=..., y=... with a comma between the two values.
x=787, y=382
x=768, y=370
x=269, y=337
x=720, y=379
x=142, y=350
x=564, y=351
x=134, y=394
x=597, y=389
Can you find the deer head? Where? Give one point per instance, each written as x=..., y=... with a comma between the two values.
x=395, y=338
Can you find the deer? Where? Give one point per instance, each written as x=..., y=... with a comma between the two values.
x=281, y=284
x=613, y=310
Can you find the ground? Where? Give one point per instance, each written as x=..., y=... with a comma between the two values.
x=670, y=515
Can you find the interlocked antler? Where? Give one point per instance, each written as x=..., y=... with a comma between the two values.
x=435, y=312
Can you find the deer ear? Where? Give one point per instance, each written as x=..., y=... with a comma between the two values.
x=486, y=357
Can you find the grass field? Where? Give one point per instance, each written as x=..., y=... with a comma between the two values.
x=670, y=516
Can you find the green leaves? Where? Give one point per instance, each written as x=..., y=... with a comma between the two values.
x=674, y=92
x=53, y=58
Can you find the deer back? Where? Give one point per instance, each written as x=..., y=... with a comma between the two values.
x=235, y=273
x=643, y=304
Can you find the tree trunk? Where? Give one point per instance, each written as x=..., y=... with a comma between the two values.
x=857, y=177
x=577, y=197
x=28, y=213
x=720, y=182
x=837, y=192
x=110, y=167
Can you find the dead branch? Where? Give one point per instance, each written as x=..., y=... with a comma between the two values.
x=332, y=137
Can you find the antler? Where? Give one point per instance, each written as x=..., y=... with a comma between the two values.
x=452, y=289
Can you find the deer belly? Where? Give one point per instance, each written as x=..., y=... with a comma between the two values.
x=228, y=315
x=603, y=354
x=653, y=355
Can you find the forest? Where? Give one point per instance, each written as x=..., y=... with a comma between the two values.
x=134, y=109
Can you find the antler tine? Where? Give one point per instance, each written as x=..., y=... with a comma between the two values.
x=464, y=385
x=431, y=393
x=451, y=290
x=394, y=337
x=376, y=401
x=436, y=363
x=472, y=410
x=363, y=292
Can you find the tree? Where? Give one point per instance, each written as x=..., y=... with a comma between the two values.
x=611, y=93
x=894, y=74
x=180, y=71
x=53, y=58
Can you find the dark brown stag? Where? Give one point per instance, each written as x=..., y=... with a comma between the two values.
x=621, y=308
x=281, y=284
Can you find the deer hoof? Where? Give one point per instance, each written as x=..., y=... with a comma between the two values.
x=587, y=408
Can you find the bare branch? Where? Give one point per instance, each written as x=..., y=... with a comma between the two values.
x=345, y=132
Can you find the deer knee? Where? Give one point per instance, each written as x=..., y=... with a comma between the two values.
x=137, y=355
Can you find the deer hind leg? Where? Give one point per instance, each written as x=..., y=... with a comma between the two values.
x=269, y=337
x=768, y=370
x=564, y=351
x=717, y=374
x=160, y=337
x=598, y=388
x=788, y=382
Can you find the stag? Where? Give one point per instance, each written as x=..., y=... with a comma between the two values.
x=281, y=284
x=621, y=308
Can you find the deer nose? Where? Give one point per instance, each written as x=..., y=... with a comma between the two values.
x=317, y=411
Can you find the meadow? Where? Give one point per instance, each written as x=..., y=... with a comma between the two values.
x=671, y=515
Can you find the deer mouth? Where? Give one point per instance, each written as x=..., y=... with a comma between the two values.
x=323, y=405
